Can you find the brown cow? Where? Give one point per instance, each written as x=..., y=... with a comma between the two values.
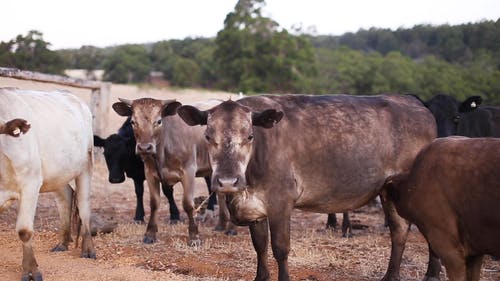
x=452, y=194
x=325, y=154
x=167, y=144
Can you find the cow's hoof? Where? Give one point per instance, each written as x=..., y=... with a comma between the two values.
x=138, y=221
x=175, y=221
x=231, y=232
x=36, y=276
x=88, y=255
x=148, y=240
x=219, y=228
x=195, y=242
x=347, y=235
x=59, y=248
x=430, y=278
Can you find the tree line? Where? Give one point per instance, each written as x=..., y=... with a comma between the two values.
x=253, y=54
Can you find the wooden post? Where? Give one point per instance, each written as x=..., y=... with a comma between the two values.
x=99, y=105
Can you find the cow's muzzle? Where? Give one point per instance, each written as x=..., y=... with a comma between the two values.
x=228, y=184
x=119, y=179
x=145, y=148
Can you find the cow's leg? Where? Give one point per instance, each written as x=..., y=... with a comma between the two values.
x=188, y=205
x=24, y=228
x=83, y=203
x=331, y=222
x=399, y=229
x=168, y=190
x=474, y=267
x=279, y=226
x=139, y=193
x=433, y=267
x=154, y=193
x=260, y=240
x=346, y=225
x=212, y=201
x=455, y=264
x=64, y=199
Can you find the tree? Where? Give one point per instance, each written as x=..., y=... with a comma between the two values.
x=186, y=73
x=127, y=64
x=253, y=54
x=30, y=52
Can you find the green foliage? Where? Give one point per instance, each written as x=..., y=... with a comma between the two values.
x=253, y=54
x=87, y=57
x=127, y=64
x=30, y=52
x=186, y=73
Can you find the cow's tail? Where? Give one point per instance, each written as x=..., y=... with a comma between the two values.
x=76, y=222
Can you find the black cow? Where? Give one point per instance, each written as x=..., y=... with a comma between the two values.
x=465, y=118
x=119, y=152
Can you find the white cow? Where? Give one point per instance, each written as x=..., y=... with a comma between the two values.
x=56, y=151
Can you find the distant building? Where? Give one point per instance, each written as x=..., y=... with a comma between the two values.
x=156, y=79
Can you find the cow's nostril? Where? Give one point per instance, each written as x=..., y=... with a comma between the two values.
x=227, y=182
x=145, y=148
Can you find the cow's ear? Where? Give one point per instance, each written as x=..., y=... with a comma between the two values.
x=98, y=141
x=266, y=118
x=470, y=104
x=123, y=109
x=192, y=115
x=15, y=127
x=170, y=108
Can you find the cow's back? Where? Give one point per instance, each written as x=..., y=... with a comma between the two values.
x=60, y=139
x=339, y=149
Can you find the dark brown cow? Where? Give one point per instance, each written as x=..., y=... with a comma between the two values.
x=325, y=154
x=175, y=151
x=452, y=194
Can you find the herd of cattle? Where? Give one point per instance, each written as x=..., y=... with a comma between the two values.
x=263, y=156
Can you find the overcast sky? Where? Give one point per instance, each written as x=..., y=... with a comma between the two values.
x=73, y=23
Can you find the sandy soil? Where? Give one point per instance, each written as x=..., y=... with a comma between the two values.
x=316, y=254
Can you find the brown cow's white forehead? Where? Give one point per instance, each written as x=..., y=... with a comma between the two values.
x=146, y=109
x=229, y=120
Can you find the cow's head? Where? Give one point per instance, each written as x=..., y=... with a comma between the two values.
x=230, y=138
x=116, y=152
x=448, y=112
x=146, y=119
x=15, y=127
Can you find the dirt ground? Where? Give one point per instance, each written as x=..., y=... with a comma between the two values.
x=316, y=254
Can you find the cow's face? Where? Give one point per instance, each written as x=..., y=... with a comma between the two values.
x=115, y=153
x=146, y=119
x=230, y=138
x=448, y=112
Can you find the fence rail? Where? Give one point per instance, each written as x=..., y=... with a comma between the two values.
x=100, y=91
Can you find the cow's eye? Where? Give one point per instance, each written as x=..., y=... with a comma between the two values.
x=132, y=122
x=207, y=137
x=158, y=123
x=250, y=137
